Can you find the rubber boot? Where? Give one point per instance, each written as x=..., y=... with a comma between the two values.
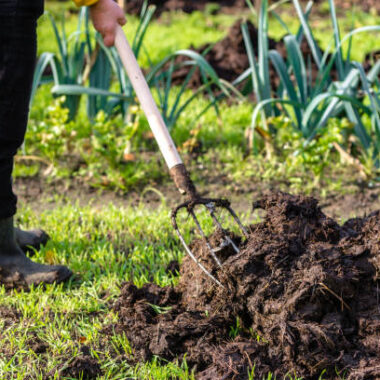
x=17, y=269
x=32, y=240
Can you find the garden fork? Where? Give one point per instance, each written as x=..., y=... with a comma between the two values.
x=176, y=166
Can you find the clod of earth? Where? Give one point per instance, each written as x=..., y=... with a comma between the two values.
x=83, y=367
x=301, y=297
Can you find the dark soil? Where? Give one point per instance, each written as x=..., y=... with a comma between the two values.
x=9, y=317
x=37, y=193
x=228, y=57
x=81, y=367
x=37, y=345
x=304, y=290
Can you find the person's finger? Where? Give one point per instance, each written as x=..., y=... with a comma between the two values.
x=122, y=20
x=109, y=38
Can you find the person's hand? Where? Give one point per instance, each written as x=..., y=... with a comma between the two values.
x=106, y=15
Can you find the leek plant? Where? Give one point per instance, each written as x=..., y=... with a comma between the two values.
x=171, y=105
x=83, y=58
x=85, y=66
x=66, y=67
x=310, y=104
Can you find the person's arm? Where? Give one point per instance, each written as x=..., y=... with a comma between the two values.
x=105, y=15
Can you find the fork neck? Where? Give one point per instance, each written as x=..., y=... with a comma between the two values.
x=183, y=182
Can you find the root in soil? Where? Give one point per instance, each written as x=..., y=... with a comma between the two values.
x=301, y=297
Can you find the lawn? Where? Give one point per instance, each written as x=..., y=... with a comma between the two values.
x=104, y=247
x=101, y=190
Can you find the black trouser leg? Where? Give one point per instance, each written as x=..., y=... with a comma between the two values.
x=18, y=21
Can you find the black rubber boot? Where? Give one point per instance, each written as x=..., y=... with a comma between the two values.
x=17, y=269
x=32, y=240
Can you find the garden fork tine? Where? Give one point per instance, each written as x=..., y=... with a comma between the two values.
x=211, y=205
x=176, y=167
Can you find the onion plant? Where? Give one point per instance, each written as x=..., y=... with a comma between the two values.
x=173, y=103
x=83, y=57
x=66, y=67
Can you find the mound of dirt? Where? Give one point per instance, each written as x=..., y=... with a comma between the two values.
x=302, y=296
x=229, y=58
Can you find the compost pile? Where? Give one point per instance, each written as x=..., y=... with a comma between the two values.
x=228, y=57
x=302, y=296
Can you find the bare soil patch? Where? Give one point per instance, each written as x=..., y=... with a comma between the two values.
x=41, y=195
x=302, y=296
x=9, y=316
x=83, y=367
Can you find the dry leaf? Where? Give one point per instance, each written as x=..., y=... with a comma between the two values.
x=50, y=257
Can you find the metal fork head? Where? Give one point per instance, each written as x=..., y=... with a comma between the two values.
x=211, y=205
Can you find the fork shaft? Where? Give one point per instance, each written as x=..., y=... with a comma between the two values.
x=140, y=85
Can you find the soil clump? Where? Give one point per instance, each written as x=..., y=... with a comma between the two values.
x=83, y=367
x=302, y=296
